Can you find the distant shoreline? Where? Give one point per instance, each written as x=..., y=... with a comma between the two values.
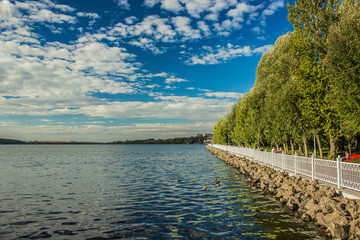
x=199, y=139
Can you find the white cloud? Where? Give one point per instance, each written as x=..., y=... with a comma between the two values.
x=122, y=3
x=223, y=54
x=237, y=14
x=64, y=8
x=146, y=43
x=131, y=20
x=152, y=86
x=171, y=80
x=263, y=49
x=92, y=132
x=257, y=30
x=273, y=7
x=153, y=30
x=220, y=5
x=183, y=28
x=234, y=95
x=171, y=5
x=56, y=70
x=40, y=13
x=112, y=60
x=270, y=10
x=153, y=26
x=89, y=15
x=225, y=27
x=8, y=10
x=212, y=16
x=151, y=3
x=195, y=8
x=204, y=28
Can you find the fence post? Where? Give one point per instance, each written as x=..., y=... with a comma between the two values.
x=338, y=167
x=282, y=160
x=313, y=166
x=295, y=162
x=265, y=157
x=272, y=157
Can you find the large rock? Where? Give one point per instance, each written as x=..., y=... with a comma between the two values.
x=339, y=231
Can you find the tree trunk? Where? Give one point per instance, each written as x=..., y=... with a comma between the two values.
x=332, y=147
x=292, y=146
x=286, y=148
x=305, y=146
x=349, y=145
x=319, y=145
x=357, y=145
x=300, y=149
x=277, y=147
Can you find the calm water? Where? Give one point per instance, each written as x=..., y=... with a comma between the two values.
x=131, y=191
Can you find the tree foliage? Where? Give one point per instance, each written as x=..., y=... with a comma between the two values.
x=308, y=84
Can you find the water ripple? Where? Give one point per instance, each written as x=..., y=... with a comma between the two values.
x=132, y=191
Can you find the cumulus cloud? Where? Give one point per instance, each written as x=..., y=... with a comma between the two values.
x=237, y=14
x=131, y=20
x=33, y=70
x=171, y=5
x=165, y=107
x=153, y=31
x=8, y=10
x=151, y=3
x=234, y=95
x=172, y=79
x=154, y=27
x=183, y=27
x=122, y=3
x=223, y=54
x=46, y=13
x=61, y=70
x=89, y=15
x=195, y=8
x=273, y=7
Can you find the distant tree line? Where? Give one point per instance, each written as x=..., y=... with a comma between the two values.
x=181, y=140
x=307, y=88
x=11, y=141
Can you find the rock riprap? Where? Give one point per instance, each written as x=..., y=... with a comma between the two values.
x=312, y=201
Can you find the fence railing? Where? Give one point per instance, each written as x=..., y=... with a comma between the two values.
x=343, y=174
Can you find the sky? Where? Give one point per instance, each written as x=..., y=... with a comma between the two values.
x=109, y=70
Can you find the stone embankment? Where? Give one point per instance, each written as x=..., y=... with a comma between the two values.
x=338, y=216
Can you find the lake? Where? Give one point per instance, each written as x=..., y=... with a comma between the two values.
x=132, y=191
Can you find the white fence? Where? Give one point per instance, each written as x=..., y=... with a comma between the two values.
x=343, y=174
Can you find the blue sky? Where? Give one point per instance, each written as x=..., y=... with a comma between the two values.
x=106, y=70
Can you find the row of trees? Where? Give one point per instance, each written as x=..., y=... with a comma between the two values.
x=307, y=87
x=180, y=140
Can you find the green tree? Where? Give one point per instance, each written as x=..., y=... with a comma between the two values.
x=280, y=115
x=343, y=65
x=244, y=126
x=219, y=135
x=311, y=20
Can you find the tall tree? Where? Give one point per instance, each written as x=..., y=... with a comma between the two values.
x=311, y=20
x=343, y=65
x=280, y=114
